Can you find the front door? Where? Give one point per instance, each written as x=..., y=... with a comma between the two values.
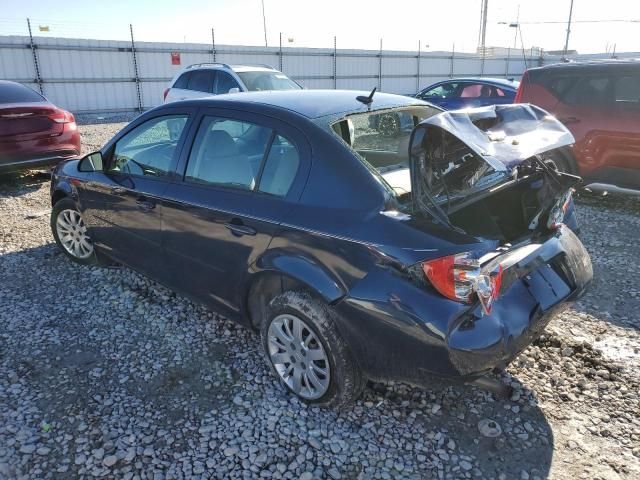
x=240, y=178
x=123, y=203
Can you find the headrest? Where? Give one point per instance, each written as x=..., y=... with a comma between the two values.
x=219, y=143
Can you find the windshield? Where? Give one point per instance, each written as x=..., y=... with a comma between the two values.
x=381, y=140
x=266, y=80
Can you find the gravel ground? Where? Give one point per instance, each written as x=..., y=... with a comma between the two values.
x=106, y=373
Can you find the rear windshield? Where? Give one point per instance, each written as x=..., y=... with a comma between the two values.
x=17, y=93
x=381, y=140
x=256, y=81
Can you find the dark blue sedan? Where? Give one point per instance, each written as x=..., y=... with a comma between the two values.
x=470, y=92
x=357, y=254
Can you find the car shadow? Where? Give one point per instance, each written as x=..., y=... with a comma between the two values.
x=436, y=433
x=15, y=184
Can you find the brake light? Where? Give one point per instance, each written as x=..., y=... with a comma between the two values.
x=459, y=277
x=64, y=117
x=519, y=93
x=166, y=92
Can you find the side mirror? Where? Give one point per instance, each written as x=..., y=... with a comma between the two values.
x=91, y=163
x=234, y=90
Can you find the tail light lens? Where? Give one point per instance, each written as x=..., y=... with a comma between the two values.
x=165, y=93
x=523, y=80
x=459, y=277
x=64, y=117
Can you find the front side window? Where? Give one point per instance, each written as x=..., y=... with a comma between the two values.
x=587, y=91
x=628, y=89
x=446, y=90
x=148, y=149
x=225, y=83
x=265, y=80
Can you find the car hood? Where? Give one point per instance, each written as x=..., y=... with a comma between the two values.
x=456, y=153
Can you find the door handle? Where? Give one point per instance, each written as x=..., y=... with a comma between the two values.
x=144, y=204
x=238, y=228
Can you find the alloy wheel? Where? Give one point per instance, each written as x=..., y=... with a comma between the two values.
x=72, y=233
x=298, y=357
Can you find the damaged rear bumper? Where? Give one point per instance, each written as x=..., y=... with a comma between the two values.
x=400, y=331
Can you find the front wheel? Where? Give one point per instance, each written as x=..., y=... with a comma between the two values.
x=70, y=232
x=306, y=352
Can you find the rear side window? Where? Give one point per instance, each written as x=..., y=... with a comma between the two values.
x=228, y=153
x=446, y=90
x=242, y=155
x=225, y=83
x=149, y=148
x=201, y=81
x=280, y=168
x=11, y=92
x=590, y=91
x=183, y=81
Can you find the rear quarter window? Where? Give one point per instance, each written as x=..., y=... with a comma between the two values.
x=17, y=93
x=182, y=81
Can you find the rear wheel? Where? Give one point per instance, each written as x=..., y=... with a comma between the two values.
x=306, y=352
x=70, y=232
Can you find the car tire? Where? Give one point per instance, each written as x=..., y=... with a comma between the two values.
x=70, y=233
x=325, y=350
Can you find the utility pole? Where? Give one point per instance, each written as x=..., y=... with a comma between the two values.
x=264, y=25
x=483, y=26
x=566, y=42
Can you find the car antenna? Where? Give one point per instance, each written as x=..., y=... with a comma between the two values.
x=367, y=100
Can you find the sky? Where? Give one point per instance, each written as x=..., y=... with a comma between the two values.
x=436, y=24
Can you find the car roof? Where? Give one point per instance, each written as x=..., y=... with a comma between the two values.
x=587, y=64
x=503, y=82
x=310, y=103
x=224, y=66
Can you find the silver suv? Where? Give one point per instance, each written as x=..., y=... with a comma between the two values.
x=209, y=79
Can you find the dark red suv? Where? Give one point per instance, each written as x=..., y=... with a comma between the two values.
x=600, y=103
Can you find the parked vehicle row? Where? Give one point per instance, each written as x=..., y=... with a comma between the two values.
x=436, y=252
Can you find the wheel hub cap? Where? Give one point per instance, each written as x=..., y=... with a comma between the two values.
x=298, y=357
x=73, y=234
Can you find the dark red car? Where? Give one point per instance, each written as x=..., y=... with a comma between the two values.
x=33, y=132
x=599, y=102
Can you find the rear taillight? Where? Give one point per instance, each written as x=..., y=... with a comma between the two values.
x=459, y=277
x=523, y=80
x=64, y=117
x=165, y=93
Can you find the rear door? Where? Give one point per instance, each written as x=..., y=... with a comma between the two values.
x=243, y=173
x=122, y=203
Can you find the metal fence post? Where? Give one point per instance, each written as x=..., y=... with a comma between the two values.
x=335, y=62
x=280, y=52
x=35, y=58
x=453, y=54
x=380, y=67
x=213, y=45
x=135, y=69
x=418, y=70
x=506, y=68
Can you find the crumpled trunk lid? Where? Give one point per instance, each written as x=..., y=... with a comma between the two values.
x=456, y=153
x=483, y=171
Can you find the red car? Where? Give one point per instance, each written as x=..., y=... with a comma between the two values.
x=33, y=132
x=599, y=102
